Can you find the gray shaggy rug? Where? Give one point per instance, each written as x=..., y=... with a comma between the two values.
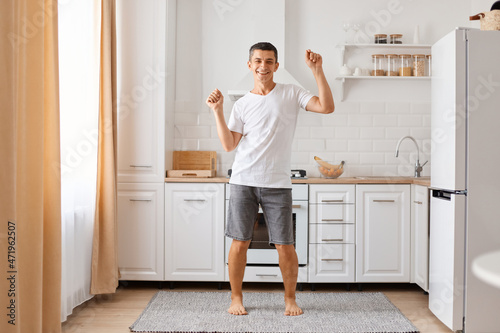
x=352, y=312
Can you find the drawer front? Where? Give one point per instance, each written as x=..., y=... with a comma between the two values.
x=331, y=233
x=332, y=193
x=268, y=274
x=331, y=213
x=331, y=263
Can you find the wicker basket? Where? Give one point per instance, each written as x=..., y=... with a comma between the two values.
x=489, y=20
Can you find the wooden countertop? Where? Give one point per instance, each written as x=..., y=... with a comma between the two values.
x=425, y=181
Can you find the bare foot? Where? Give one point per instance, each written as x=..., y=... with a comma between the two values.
x=291, y=308
x=237, y=307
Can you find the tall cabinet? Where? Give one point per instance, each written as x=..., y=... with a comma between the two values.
x=141, y=47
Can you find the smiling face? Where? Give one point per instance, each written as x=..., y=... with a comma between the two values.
x=263, y=65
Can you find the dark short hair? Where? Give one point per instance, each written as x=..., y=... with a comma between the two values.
x=265, y=46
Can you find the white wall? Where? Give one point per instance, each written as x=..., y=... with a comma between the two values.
x=213, y=38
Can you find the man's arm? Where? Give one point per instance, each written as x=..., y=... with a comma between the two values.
x=324, y=102
x=228, y=138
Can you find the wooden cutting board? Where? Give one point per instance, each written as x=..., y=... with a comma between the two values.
x=201, y=164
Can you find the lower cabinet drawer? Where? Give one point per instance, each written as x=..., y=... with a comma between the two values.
x=331, y=263
x=331, y=233
x=268, y=274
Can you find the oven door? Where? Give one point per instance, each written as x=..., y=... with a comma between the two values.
x=261, y=253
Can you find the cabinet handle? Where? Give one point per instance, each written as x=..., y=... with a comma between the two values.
x=202, y=200
x=274, y=275
x=332, y=239
x=296, y=206
x=333, y=200
x=418, y=202
x=140, y=166
x=332, y=220
x=140, y=199
x=377, y=200
x=332, y=259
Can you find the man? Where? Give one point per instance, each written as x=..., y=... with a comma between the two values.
x=262, y=125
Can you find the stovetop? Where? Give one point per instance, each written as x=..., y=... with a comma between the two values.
x=294, y=174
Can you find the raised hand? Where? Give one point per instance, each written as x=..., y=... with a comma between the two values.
x=313, y=60
x=215, y=100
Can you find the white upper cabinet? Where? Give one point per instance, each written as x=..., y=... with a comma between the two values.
x=141, y=46
x=383, y=233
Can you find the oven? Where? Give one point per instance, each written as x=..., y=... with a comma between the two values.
x=260, y=253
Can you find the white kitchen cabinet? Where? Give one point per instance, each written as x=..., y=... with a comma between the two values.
x=141, y=45
x=420, y=236
x=140, y=231
x=331, y=233
x=194, y=232
x=383, y=233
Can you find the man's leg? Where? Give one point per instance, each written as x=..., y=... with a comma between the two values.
x=237, y=261
x=289, y=266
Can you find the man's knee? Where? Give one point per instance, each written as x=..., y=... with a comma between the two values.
x=240, y=246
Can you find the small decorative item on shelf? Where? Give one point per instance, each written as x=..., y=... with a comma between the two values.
x=328, y=170
x=405, y=65
x=392, y=65
x=419, y=65
x=345, y=70
x=378, y=65
x=396, y=39
x=381, y=39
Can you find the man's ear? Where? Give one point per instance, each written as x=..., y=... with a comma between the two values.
x=277, y=65
x=249, y=65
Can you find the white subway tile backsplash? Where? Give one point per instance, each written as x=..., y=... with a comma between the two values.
x=302, y=132
x=336, y=145
x=309, y=119
x=359, y=145
x=385, y=120
x=194, y=132
x=398, y=108
x=363, y=134
x=410, y=120
x=372, y=133
x=322, y=133
x=372, y=158
x=347, y=132
x=372, y=108
x=360, y=120
x=311, y=145
x=396, y=133
x=184, y=118
x=210, y=144
x=423, y=108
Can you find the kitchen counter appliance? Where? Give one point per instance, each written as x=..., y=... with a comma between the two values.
x=465, y=186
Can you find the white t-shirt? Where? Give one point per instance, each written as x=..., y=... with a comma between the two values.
x=267, y=123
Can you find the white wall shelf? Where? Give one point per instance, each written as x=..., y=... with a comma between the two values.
x=383, y=48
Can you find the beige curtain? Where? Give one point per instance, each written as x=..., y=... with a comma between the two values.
x=30, y=168
x=104, y=248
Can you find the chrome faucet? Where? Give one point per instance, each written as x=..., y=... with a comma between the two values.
x=418, y=167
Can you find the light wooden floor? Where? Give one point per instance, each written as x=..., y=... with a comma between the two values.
x=115, y=313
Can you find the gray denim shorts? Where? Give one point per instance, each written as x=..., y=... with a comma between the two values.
x=276, y=205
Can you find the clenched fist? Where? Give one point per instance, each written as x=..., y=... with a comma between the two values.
x=313, y=60
x=215, y=100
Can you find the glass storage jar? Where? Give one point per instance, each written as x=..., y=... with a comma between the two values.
x=419, y=65
x=405, y=65
x=392, y=65
x=428, y=65
x=378, y=65
x=396, y=39
x=381, y=39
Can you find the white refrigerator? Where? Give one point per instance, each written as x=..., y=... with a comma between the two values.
x=465, y=178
